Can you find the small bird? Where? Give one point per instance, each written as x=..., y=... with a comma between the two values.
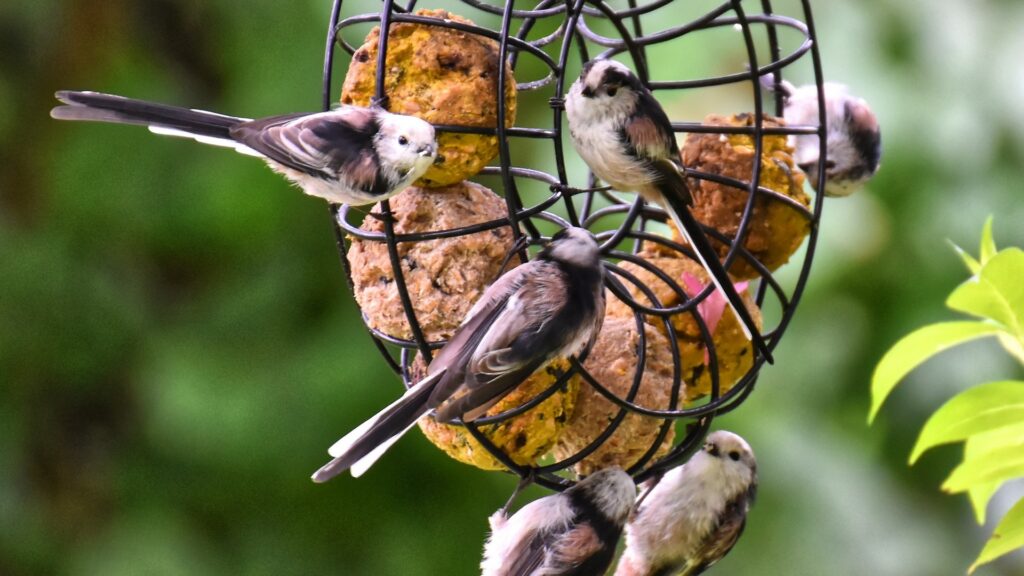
x=349, y=155
x=693, y=516
x=853, y=144
x=569, y=534
x=624, y=135
x=551, y=307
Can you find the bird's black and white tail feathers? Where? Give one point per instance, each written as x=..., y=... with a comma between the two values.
x=690, y=228
x=208, y=127
x=361, y=447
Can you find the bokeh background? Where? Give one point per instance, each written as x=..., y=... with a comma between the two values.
x=178, y=345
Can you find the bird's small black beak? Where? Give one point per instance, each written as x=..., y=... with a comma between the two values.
x=712, y=449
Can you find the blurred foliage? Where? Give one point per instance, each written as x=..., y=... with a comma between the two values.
x=178, y=346
x=988, y=418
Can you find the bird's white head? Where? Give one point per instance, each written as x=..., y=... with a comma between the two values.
x=602, y=78
x=854, y=155
x=574, y=246
x=731, y=455
x=406, y=145
x=605, y=89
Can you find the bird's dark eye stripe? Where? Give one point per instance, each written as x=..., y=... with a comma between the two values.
x=869, y=144
x=613, y=77
x=734, y=455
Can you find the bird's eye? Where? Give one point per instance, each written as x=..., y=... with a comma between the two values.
x=612, y=91
x=734, y=455
x=829, y=164
x=403, y=140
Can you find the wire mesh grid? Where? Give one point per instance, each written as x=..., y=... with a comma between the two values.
x=621, y=223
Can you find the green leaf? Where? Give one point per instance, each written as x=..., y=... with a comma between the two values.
x=1015, y=346
x=915, y=348
x=1005, y=437
x=997, y=465
x=973, y=266
x=976, y=410
x=996, y=293
x=1008, y=536
x=979, y=496
x=988, y=245
x=981, y=444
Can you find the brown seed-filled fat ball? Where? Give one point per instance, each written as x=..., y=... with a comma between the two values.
x=776, y=229
x=445, y=276
x=524, y=438
x=734, y=352
x=613, y=362
x=443, y=76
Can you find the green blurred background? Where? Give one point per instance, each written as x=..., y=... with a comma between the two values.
x=178, y=345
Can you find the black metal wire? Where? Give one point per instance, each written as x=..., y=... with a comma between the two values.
x=623, y=224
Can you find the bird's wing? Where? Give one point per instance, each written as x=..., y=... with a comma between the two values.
x=649, y=134
x=516, y=337
x=723, y=536
x=476, y=323
x=518, y=545
x=556, y=551
x=326, y=145
x=579, y=547
x=522, y=330
x=453, y=359
x=670, y=180
x=530, y=554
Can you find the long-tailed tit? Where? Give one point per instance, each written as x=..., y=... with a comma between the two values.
x=693, y=516
x=349, y=155
x=569, y=534
x=624, y=135
x=551, y=307
x=853, y=143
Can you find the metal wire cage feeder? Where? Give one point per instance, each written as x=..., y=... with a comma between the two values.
x=575, y=39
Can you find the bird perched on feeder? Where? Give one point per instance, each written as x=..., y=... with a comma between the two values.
x=624, y=135
x=693, y=516
x=853, y=142
x=551, y=307
x=349, y=155
x=569, y=534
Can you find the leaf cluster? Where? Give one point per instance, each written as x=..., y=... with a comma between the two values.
x=988, y=418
